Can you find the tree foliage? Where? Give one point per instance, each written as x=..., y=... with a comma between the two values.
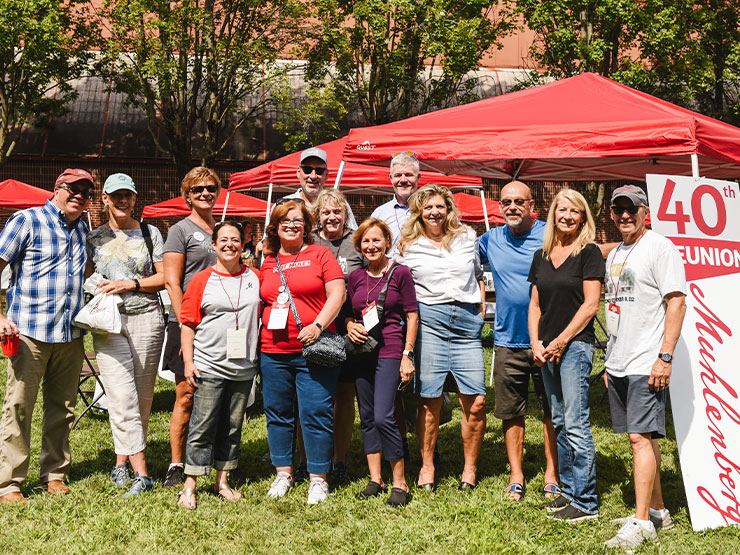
x=192, y=66
x=396, y=58
x=42, y=49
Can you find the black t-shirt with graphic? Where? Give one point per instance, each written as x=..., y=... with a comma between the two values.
x=561, y=290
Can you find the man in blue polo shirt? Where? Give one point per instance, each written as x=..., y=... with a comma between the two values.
x=45, y=247
x=509, y=250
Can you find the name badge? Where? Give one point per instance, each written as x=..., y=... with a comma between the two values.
x=278, y=318
x=370, y=316
x=612, y=319
x=236, y=343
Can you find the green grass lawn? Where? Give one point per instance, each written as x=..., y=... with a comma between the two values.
x=94, y=518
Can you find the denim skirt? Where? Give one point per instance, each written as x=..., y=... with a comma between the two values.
x=449, y=341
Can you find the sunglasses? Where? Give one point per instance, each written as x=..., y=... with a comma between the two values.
x=290, y=199
x=619, y=210
x=198, y=189
x=232, y=223
x=308, y=169
x=517, y=201
x=74, y=191
x=407, y=153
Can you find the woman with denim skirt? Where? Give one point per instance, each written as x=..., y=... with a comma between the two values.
x=220, y=332
x=314, y=283
x=443, y=258
x=566, y=277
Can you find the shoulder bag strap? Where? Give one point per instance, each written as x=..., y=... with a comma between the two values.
x=150, y=247
x=287, y=290
x=381, y=297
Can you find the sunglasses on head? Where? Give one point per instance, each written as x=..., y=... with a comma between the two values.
x=619, y=210
x=74, y=191
x=198, y=189
x=290, y=199
x=409, y=153
x=308, y=169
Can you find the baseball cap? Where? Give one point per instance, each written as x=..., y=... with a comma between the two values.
x=314, y=152
x=117, y=182
x=632, y=192
x=71, y=175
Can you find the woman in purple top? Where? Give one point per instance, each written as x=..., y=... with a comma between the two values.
x=380, y=373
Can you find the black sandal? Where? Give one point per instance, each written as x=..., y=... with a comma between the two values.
x=398, y=498
x=372, y=489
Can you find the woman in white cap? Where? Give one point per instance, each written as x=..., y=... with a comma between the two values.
x=128, y=361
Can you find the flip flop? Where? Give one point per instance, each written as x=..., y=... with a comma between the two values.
x=189, y=502
x=515, y=489
x=550, y=491
x=220, y=489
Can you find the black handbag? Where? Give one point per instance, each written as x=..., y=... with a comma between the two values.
x=328, y=349
x=370, y=346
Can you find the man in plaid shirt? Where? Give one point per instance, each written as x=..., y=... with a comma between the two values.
x=45, y=248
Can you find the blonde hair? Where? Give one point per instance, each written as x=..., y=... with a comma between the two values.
x=414, y=226
x=588, y=228
x=195, y=176
x=328, y=196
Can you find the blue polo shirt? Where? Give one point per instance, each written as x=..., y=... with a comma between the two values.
x=510, y=258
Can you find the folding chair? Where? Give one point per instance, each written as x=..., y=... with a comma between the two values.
x=89, y=371
x=601, y=345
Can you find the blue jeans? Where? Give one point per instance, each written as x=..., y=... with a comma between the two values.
x=215, y=429
x=285, y=377
x=566, y=384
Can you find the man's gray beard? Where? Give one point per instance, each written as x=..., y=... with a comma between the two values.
x=513, y=222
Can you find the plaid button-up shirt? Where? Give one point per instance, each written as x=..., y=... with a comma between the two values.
x=48, y=258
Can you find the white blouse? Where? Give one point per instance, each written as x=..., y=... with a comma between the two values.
x=445, y=276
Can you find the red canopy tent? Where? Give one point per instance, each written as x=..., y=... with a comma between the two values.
x=471, y=210
x=16, y=195
x=238, y=206
x=579, y=129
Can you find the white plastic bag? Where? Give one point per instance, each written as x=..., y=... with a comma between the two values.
x=101, y=314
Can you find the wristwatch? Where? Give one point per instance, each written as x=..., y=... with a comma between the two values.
x=666, y=357
x=321, y=328
x=409, y=354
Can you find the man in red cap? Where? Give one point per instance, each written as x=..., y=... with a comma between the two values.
x=45, y=248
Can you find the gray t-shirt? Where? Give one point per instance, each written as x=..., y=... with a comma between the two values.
x=344, y=251
x=188, y=238
x=122, y=254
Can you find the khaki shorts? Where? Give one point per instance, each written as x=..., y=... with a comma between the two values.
x=512, y=369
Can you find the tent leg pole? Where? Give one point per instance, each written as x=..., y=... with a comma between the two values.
x=485, y=210
x=695, y=166
x=226, y=205
x=268, y=211
x=340, y=173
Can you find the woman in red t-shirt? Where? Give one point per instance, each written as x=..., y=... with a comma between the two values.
x=316, y=285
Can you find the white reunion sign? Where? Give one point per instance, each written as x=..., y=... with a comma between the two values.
x=702, y=218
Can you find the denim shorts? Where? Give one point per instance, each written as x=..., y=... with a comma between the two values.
x=449, y=341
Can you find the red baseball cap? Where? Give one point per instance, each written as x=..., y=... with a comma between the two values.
x=73, y=175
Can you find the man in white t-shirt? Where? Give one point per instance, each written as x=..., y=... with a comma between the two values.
x=644, y=307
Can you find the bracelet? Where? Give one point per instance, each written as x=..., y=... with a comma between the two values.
x=321, y=328
x=137, y=286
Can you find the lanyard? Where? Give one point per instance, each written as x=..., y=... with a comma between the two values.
x=367, y=283
x=624, y=262
x=238, y=298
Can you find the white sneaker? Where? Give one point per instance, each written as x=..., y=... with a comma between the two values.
x=661, y=520
x=632, y=534
x=280, y=485
x=317, y=491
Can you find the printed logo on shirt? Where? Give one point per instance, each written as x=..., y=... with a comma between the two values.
x=290, y=265
x=198, y=236
x=342, y=263
x=625, y=277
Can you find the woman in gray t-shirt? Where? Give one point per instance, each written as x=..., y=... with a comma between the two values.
x=187, y=251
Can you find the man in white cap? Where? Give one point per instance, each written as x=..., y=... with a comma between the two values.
x=312, y=174
x=644, y=306
x=45, y=246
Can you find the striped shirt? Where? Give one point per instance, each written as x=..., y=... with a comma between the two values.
x=48, y=262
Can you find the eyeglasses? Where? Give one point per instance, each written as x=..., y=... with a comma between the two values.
x=297, y=222
x=517, y=201
x=407, y=153
x=74, y=191
x=308, y=169
x=619, y=210
x=198, y=189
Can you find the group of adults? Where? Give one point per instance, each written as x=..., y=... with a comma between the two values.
x=405, y=288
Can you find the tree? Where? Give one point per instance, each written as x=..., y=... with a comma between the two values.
x=192, y=66
x=42, y=49
x=396, y=58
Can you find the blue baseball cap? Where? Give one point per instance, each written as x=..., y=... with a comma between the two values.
x=118, y=182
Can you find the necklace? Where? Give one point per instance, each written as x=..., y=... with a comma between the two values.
x=238, y=298
x=368, y=290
